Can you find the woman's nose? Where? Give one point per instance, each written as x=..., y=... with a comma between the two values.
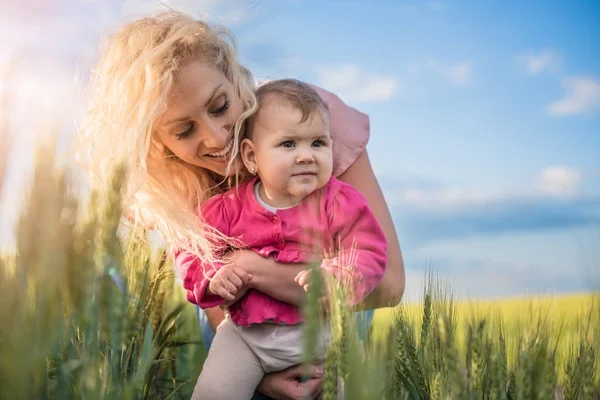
x=215, y=135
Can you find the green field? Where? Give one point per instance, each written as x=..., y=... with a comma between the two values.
x=89, y=310
x=563, y=313
x=565, y=317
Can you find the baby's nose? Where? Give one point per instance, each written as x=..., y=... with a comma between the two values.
x=305, y=156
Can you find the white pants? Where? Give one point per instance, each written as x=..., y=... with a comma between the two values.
x=240, y=356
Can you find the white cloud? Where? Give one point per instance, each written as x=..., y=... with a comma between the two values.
x=71, y=26
x=449, y=197
x=32, y=9
x=219, y=11
x=582, y=97
x=559, y=181
x=456, y=74
x=141, y=7
x=352, y=84
x=553, y=181
x=146, y=7
x=535, y=63
x=459, y=74
x=445, y=198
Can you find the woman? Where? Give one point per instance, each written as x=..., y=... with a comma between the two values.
x=170, y=97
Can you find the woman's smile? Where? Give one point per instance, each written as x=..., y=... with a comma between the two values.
x=223, y=153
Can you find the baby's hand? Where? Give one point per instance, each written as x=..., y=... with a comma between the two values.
x=228, y=280
x=304, y=277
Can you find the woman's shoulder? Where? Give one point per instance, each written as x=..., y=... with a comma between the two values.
x=350, y=130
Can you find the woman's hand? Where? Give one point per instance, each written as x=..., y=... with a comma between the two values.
x=295, y=383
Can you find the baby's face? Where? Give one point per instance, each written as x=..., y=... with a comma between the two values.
x=293, y=158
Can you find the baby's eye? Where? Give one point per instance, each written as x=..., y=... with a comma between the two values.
x=288, y=143
x=318, y=143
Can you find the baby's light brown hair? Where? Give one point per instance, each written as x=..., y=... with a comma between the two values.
x=293, y=93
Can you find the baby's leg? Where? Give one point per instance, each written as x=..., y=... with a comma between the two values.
x=231, y=370
x=277, y=346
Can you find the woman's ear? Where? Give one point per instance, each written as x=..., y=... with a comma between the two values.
x=249, y=156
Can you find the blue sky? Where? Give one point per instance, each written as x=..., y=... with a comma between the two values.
x=485, y=116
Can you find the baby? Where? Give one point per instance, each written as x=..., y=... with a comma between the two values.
x=294, y=211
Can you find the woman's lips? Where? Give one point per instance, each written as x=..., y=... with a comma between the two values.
x=224, y=152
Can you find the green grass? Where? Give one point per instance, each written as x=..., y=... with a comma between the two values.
x=89, y=310
x=564, y=317
x=536, y=348
x=86, y=311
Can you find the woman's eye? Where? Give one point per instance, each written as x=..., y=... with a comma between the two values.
x=318, y=143
x=185, y=133
x=221, y=109
x=288, y=144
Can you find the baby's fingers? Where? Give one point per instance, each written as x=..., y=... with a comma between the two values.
x=243, y=276
x=224, y=293
x=236, y=281
x=303, y=277
x=229, y=286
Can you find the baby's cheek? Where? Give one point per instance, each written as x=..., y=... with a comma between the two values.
x=281, y=171
x=278, y=177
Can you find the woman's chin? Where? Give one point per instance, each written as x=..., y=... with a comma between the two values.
x=225, y=170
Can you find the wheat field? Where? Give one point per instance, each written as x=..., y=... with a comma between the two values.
x=88, y=309
x=565, y=317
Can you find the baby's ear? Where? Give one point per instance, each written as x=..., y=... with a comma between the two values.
x=248, y=155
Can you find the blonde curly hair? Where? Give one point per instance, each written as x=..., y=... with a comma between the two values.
x=129, y=91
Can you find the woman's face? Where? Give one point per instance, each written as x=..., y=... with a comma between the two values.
x=201, y=112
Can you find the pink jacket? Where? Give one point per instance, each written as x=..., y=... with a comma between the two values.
x=334, y=217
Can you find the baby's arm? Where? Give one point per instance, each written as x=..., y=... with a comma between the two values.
x=360, y=257
x=208, y=285
x=227, y=281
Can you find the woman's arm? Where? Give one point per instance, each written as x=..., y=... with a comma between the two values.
x=272, y=278
x=389, y=292
x=277, y=280
x=268, y=276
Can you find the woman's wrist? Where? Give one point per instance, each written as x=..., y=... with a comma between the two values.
x=388, y=293
x=271, y=277
x=253, y=264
